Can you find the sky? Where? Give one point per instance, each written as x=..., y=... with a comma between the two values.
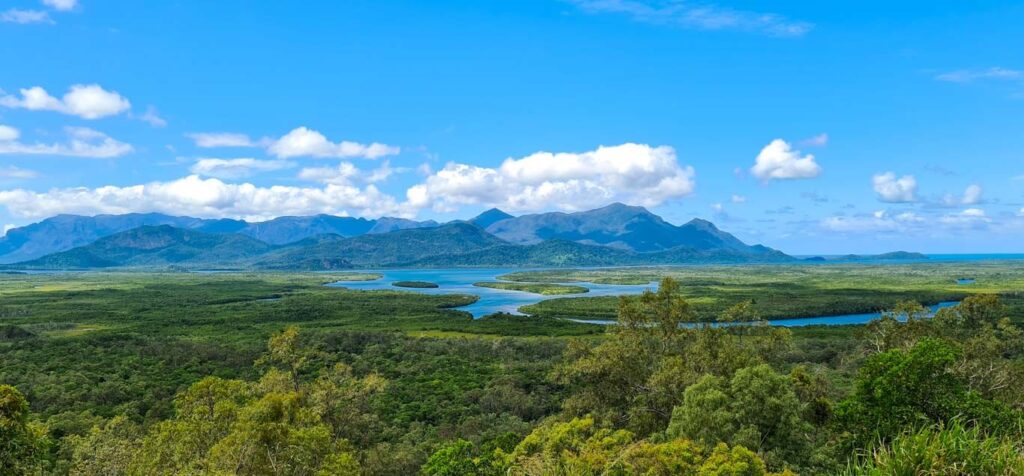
x=811, y=127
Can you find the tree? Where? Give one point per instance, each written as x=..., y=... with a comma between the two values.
x=898, y=389
x=107, y=449
x=635, y=377
x=758, y=409
x=22, y=443
x=278, y=425
x=582, y=447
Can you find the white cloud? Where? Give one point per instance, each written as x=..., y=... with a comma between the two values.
x=718, y=208
x=346, y=173
x=778, y=161
x=820, y=140
x=879, y=221
x=969, y=218
x=17, y=173
x=305, y=142
x=236, y=168
x=1021, y=212
x=893, y=190
x=703, y=17
x=86, y=101
x=8, y=227
x=205, y=198
x=8, y=133
x=25, y=17
x=632, y=173
x=738, y=199
x=61, y=5
x=972, y=196
x=84, y=142
x=152, y=118
x=221, y=139
x=970, y=75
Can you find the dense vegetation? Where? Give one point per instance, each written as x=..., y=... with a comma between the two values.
x=415, y=284
x=277, y=374
x=546, y=289
x=780, y=291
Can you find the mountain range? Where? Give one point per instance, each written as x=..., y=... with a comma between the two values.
x=613, y=235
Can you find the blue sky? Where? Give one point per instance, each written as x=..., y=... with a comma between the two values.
x=813, y=127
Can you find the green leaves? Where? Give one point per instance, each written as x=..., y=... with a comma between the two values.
x=22, y=444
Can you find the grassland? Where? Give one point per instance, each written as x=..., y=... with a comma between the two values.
x=546, y=289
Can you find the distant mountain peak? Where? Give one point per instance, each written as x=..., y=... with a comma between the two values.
x=701, y=223
x=490, y=217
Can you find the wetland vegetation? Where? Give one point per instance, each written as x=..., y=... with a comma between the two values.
x=545, y=289
x=338, y=381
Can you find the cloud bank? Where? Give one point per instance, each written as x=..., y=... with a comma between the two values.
x=637, y=174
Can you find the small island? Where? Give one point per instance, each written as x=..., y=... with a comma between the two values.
x=415, y=284
x=351, y=277
x=546, y=289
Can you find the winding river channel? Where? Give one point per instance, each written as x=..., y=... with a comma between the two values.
x=460, y=281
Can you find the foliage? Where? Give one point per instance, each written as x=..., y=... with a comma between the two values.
x=277, y=425
x=203, y=372
x=636, y=376
x=947, y=449
x=581, y=447
x=22, y=443
x=546, y=289
x=898, y=389
x=414, y=284
x=758, y=408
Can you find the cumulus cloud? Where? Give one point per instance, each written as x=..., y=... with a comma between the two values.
x=778, y=161
x=305, y=142
x=61, y=5
x=703, y=17
x=895, y=190
x=25, y=17
x=83, y=142
x=205, y=198
x=739, y=199
x=632, y=173
x=221, y=139
x=236, y=168
x=971, y=75
x=86, y=101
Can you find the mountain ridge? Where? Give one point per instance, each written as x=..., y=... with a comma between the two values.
x=617, y=234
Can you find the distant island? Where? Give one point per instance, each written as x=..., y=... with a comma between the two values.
x=891, y=256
